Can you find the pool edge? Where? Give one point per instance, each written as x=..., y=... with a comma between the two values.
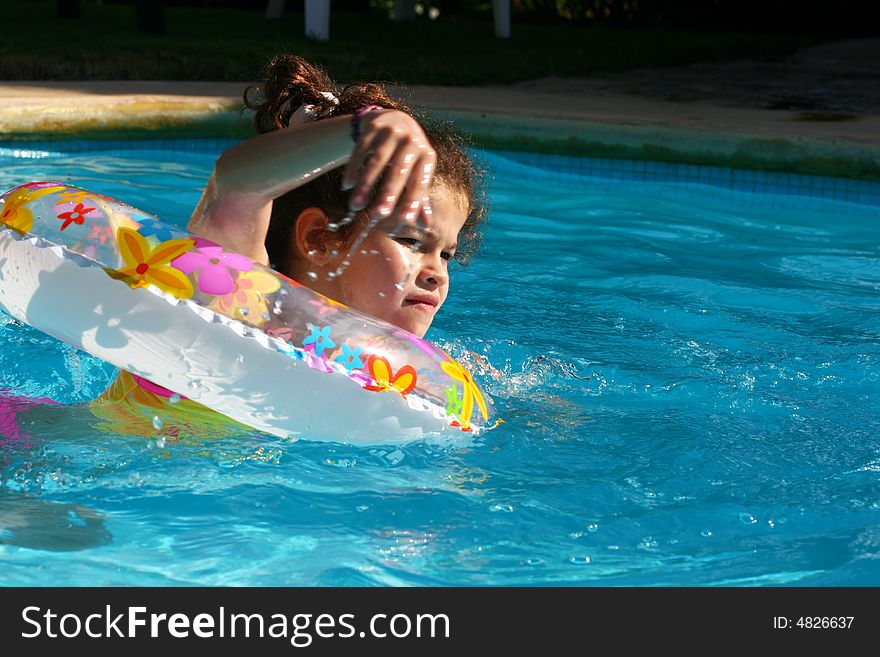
x=617, y=128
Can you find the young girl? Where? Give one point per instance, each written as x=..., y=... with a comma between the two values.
x=343, y=191
x=347, y=193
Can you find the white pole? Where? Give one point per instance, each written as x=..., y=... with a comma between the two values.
x=501, y=14
x=318, y=19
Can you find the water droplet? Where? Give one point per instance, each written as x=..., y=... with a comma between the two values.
x=174, y=399
x=705, y=533
x=593, y=527
x=334, y=253
x=505, y=508
x=157, y=423
x=244, y=310
x=381, y=295
x=195, y=384
x=239, y=359
x=580, y=560
x=747, y=519
x=160, y=443
x=312, y=275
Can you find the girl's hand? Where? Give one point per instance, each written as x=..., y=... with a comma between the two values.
x=393, y=146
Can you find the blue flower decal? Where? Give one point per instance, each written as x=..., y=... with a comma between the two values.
x=320, y=338
x=151, y=226
x=350, y=358
x=291, y=351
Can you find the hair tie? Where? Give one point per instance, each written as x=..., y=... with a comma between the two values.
x=308, y=112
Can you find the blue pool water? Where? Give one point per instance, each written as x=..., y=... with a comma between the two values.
x=691, y=384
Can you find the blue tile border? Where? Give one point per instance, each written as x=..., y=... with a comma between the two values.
x=580, y=171
x=566, y=170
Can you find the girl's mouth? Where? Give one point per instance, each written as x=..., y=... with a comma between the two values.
x=425, y=302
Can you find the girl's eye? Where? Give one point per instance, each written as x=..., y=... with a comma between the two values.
x=412, y=242
x=409, y=241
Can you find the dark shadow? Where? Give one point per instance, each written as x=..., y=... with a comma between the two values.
x=62, y=300
x=53, y=526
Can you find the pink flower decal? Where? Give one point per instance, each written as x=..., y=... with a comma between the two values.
x=212, y=264
x=100, y=233
x=246, y=301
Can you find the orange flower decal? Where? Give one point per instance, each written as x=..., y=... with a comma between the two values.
x=471, y=393
x=380, y=369
x=15, y=214
x=146, y=266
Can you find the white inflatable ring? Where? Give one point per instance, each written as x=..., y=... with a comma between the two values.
x=237, y=337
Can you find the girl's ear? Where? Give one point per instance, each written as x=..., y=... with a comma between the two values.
x=311, y=238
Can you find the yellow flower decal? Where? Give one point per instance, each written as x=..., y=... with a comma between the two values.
x=15, y=214
x=146, y=266
x=74, y=198
x=247, y=300
x=471, y=392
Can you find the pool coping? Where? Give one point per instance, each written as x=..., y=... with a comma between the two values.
x=610, y=125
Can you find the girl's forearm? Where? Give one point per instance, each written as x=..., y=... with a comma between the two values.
x=273, y=163
x=236, y=205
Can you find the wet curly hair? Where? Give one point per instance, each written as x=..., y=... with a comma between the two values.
x=291, y=81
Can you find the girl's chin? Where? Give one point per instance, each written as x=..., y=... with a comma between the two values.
x=416, y=326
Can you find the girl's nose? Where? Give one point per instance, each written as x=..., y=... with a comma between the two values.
x=433, y=270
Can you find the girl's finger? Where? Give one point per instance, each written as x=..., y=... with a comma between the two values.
x=379, y=150
x=418, y=187
x=360, y=152
x=355, y=161
x=398, y=177
x=426, y=212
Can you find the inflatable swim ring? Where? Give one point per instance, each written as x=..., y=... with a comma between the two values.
x=188, y=319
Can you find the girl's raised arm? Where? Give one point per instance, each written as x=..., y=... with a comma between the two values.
x=236, y=205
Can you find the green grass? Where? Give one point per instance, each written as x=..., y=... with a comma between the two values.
x=226, y=44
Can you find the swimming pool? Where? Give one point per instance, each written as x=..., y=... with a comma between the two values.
x=691, y=378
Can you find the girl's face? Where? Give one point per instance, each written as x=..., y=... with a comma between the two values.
x=389, y=279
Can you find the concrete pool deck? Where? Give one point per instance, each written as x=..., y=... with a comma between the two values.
x=815, y=112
